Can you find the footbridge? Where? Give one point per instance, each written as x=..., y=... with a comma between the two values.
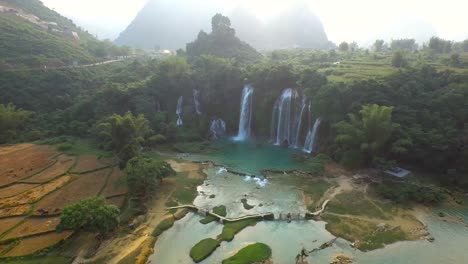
x=261, y=216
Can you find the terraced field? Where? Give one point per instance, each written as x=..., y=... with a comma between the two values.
x=37, y=182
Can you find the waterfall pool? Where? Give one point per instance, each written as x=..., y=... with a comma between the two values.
x=287, y=239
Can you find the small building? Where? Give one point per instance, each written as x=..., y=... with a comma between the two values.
x=398, y=172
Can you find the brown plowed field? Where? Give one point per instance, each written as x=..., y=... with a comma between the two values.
x=88, y=163
x=18, y=164
x=30, y=245
x=33, y=226
x=16, y=189
x=7, y=223
x=15, y=211
x=35, y=194
x=116, y=185
x=62, y=165
x=117, y=201
x=85, y=186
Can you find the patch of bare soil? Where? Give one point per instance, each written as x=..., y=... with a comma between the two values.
x=15, y=189
x=30, y=245
x=88, y=163
x=7, y=223
x=15, y=211
x=27, y=160
x=33, y=226
x=62, y=165
x=193, y=169
x=116, y=185
x=84, y=186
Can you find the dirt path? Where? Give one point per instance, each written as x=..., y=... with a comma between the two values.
x=117, y=248
x=120, y=247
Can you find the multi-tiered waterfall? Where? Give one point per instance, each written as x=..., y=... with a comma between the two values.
x=218, y=128
x=179, y=110
x=245, y=114
x=196, y=101
x=287, y=118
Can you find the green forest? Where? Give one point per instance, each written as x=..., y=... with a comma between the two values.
x=374, y=112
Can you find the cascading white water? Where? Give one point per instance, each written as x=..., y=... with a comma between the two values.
x=179, y=110
x=298, y=122
x=311, y=139
x=245, y=114
x=287, y=118
x=218, y=128
x=196, y=101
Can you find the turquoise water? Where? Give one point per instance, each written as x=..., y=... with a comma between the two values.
x=287, y=240
x=251, y=157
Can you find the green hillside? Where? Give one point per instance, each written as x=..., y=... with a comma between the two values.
x=48, y=41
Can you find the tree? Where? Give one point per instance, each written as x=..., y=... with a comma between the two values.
x=344, y=46
x=362, y=139
x=144, y=175
x=379, y=45
x=92, y=214
x=123, y=134
x=455, y=59
x=398, y=60
x=440, y=45
x=465, y=45
x=12, y=119
x=403, y=44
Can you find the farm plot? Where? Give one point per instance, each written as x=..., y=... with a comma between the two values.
x=26, y=161
x=15, y=189
x=117, y=201
x=34, y=194
x=32, y=226
x=62, y=165
x=85, y=185
x=15, y=211
x=30, y=245
x=116, y=185
x=7, y=223
x=88, y=163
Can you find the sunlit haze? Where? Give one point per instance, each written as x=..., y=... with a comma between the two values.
x=358, y=20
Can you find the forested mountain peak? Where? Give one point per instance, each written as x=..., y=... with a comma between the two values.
x=222, y=42
x=170, y=25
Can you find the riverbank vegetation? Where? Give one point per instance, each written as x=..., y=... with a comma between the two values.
x=255, y=253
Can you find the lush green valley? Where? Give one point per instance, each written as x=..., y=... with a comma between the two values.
x=121, y=152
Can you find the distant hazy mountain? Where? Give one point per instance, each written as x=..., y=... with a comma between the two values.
x=172, y=24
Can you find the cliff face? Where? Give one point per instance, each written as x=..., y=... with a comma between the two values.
x=172, y=24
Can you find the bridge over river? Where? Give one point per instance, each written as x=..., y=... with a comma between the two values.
x=283, y=216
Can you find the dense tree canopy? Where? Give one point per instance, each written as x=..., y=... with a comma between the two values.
x=92, y=214
x=144, y=174
x=12, y=120
x=123, y=134
x=363, y=139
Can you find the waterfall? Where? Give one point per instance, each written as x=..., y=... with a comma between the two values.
x=196, y=101
x=309, y=145
x=298, y=121
x=287, y=118
x=245, y=114
x=179, y=110
x=218, y=128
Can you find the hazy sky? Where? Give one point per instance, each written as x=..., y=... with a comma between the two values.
x=359, y=20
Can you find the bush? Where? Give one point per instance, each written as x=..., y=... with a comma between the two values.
x=203, y=249
x=65, y=146
x=92, y=214
x=163, y=226
x=255, y=253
